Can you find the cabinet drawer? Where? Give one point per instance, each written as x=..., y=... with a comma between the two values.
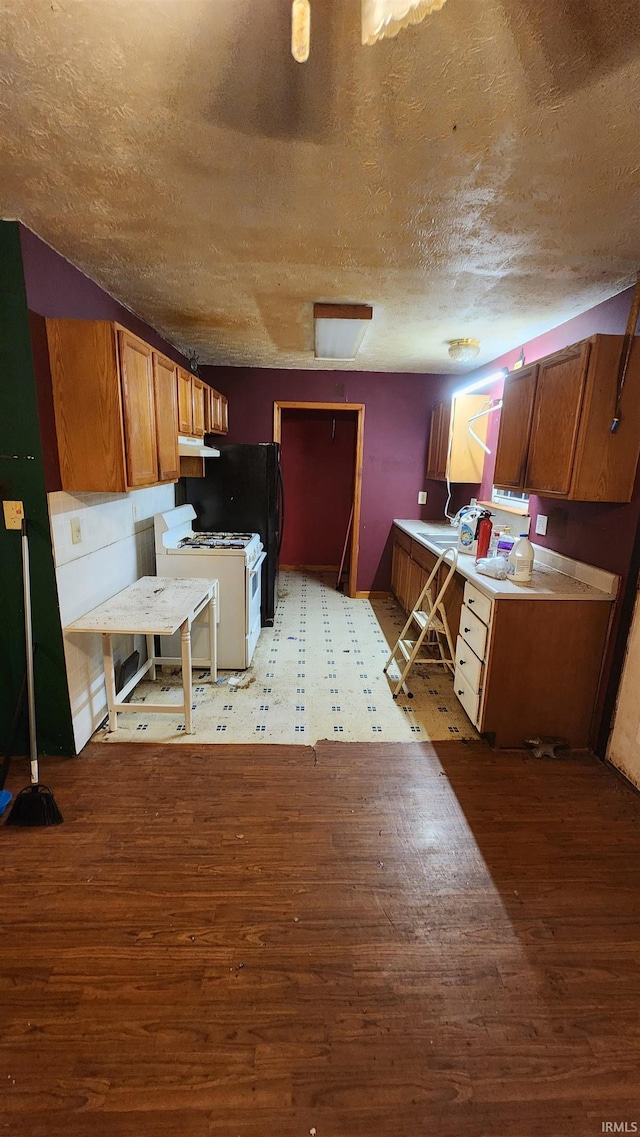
x=469, y=698
x=402, y=539
x=473, y=631
x=425, y=558
x=468, y=664
x=478, y=603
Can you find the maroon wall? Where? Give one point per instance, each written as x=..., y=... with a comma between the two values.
x=56, y=288
x=395, y=438
x=318, y=462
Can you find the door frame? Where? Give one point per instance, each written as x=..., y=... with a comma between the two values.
x=337, y=408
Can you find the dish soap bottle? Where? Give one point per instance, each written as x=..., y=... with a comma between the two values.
x=521, y=560
x=505, y=543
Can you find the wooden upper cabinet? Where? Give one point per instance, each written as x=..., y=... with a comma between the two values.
x=452, y=448
x=197, y=394
x=561, y=423
x=215, y=411
x=87, y=403
x=556, y=418
x=185, y=402
x=166, y=398
x=515, y=428
x=138, y=410
x=112, y=435
x=438, y=442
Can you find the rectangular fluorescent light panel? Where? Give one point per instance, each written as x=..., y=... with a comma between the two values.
x=340, y=329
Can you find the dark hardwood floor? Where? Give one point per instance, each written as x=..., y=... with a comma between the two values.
x=357, y=940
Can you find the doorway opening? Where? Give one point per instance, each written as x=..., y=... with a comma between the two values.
x=322, y=453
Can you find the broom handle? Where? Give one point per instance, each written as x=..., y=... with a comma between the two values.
x=28, y=633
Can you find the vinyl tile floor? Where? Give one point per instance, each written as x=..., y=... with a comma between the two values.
x=317, y=674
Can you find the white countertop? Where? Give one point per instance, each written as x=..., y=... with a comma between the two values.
x=153, y=605
x=554, y=577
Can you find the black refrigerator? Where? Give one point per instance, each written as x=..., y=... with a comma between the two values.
x=242, y=492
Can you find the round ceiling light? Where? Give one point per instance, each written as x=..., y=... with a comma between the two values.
x=463, y=351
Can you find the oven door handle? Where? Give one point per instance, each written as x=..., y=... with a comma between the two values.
x=258, y=564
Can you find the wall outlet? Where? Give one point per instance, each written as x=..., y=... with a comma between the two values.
x=422, y=497
x=541, y=524
x=13, y=514
x=76, y=531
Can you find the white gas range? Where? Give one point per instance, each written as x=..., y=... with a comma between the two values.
x=234, y=559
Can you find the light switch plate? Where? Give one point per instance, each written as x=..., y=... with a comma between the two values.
x=13, y=514
x=76, y=531
x=541, y=524
x=422, y=497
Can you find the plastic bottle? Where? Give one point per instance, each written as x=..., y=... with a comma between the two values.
x=467, y=532
x=521, y=560
x=505, y=542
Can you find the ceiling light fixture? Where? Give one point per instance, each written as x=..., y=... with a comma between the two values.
x=463, y=351
x=340, y=329
x=383, y=19
x=300, y=30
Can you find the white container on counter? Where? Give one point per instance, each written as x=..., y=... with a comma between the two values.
x=521, y=560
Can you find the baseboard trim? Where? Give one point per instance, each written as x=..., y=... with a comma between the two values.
x=374, y=595
x=309, y=568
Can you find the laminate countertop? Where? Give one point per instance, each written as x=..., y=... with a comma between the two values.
x=555, y=577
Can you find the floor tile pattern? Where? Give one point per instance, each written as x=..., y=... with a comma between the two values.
x=316, y=674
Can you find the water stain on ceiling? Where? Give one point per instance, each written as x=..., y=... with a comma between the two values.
x=477, y=176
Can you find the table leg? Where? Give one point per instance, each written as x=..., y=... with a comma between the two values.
x=151, y=652
x=109, y=680
x=213, y=639
x=187, y=677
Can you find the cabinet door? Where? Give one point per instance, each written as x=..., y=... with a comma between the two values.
x=556, y=419
x=400, y=569
x=224, y=414
x=208, y=408
x=443, y=442
x=435, y=441
x=515, y=428
x=166, y=396
x=217, y=412
x=417, y=579
x=138, y=410
x=198, y=407
x=185, y=402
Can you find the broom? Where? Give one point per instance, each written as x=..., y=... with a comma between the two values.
x=5, y=796
x=35, y=804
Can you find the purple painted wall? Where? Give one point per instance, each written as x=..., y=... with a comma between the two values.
x=395, y=438
x=56, y=288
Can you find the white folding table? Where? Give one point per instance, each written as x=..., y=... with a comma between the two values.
x=154, y=606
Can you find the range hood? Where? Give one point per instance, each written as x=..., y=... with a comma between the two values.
x=195, y=448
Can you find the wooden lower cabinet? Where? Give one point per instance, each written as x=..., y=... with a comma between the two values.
x=523, y=667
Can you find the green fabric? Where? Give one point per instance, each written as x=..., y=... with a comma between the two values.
x=22, y=479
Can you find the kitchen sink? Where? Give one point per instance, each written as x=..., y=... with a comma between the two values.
x=440, y=539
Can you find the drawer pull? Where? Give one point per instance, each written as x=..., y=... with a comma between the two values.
x=461, y=692
x=462, y=662
x=466, y=629
x=470, y=601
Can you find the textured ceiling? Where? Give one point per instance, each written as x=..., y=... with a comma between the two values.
x=477, y=176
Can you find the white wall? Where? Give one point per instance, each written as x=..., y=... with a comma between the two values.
x=116, y=548
x=624, y=744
